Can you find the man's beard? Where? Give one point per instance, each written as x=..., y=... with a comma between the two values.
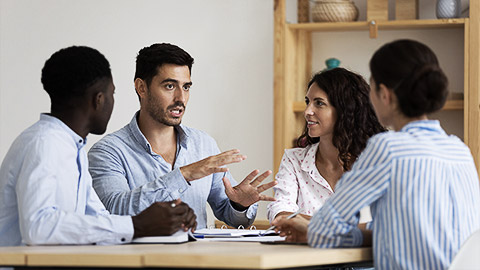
x=160, y=115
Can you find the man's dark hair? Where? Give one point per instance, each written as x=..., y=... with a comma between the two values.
x=69, y=72
x=149, y=59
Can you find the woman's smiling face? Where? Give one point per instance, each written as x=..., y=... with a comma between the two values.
x=319, y=113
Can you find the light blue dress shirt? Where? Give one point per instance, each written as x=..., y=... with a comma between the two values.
x=46, y=194
x=424, y=193
x=128, y=176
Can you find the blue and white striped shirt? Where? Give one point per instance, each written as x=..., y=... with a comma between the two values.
x=423, y=189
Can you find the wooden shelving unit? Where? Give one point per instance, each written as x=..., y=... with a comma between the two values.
x=293, y=64
x=382, y=25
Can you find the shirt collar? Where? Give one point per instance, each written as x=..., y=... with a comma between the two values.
x=79, y=141
x=308, y=162
x=429, y=125
x=182, y=134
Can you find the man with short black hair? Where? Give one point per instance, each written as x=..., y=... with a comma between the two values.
x=46, y=194
x=155, y=158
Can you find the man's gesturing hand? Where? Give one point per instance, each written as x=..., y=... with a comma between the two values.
x=164, y=218
x=212, y=164
x=248, y=192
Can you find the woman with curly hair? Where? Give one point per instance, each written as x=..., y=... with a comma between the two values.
x=339, y=121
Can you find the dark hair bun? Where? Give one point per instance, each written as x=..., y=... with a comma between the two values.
x=425, y=91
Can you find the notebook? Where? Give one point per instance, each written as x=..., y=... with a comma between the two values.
x=179, y=237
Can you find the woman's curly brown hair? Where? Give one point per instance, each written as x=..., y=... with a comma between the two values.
x=356, y=121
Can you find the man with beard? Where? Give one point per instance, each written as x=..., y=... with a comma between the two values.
x=155, y=158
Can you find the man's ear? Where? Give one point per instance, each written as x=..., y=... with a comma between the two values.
x=98, y=100
x=141, y=87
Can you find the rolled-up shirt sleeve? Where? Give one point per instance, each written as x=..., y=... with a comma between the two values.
x=112, y=186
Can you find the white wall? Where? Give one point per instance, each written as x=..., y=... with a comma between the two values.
x=231, y=41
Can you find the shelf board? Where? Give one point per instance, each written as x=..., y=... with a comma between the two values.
x=382, y=25
x=453, y=105
x=450, y=105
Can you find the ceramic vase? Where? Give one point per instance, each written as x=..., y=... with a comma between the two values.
x=448, y=9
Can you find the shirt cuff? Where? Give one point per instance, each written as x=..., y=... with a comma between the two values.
x=353, y=239
x=252, y=211
x=122, y=231
x=126, y=229
x=369, y=225
x=176, y=183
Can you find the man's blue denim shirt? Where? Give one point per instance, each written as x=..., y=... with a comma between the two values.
x=128, y=176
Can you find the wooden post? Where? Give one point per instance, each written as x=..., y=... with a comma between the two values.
x=472, y=95
x=406, y=9
x=377, y=10
x=279, y=108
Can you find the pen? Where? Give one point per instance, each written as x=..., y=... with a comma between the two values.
x=273, y=226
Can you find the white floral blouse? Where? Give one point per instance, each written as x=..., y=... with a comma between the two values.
x=300, y=185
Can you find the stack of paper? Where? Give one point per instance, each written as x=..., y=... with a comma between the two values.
x=237, y=235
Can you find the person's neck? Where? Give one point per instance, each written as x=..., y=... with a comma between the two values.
x=157, y=134
x=75, y=120
x=327, y=162
x=399, y=121
x=327, y=154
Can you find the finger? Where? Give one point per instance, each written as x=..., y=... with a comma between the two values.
x=275, y=221
x=194, y=227
x=264, y=187
x=191, y=219
x=290, y=238
x=219, y=170
x=175, y=202
x=228, y=186
x=225, y=160
x=266, y=198
x=250, y=177
x=260, y=178
x=191, y=224
x=283, y=224
x=176, y=223
x=278, y=224
x=181, y=209
x=229, y=152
